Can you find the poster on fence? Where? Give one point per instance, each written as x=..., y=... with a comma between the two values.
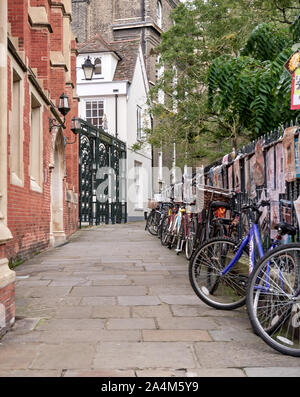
x=211, y=177
x=289, y=153
x=264, y=222
x=270, y=169
x=199, y=199
x=280, y=173
x=252, y=190
x=237, y=175
x=217, y=178
x=274, y=211
x=286, y=216
x=230, y=171
x=286, y=211
x=259, y=166
x=247, y=175
x=297, y=163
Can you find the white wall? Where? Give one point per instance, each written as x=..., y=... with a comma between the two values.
x=138, y=97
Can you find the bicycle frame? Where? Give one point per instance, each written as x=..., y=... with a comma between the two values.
x=252, y=237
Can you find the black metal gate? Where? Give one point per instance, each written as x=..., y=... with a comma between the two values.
x=102, y=177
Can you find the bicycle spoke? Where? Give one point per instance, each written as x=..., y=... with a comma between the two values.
x=273, y=307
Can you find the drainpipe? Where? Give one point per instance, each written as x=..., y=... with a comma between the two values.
x=116, y=114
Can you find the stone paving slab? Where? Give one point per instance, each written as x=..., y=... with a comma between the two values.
x=144, y=355
x=31, y=373
x=87, y=309
x=17, y=356
x=240, y=355
x=275, y=372
x=61, y=356
x=70, y=323
x=104, y=373
x=175, y=335
x=141, y=300
x=216, y=373
x=130, y=323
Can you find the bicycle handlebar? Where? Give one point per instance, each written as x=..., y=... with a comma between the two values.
x=255, y=207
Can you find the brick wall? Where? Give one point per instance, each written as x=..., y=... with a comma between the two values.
x=39, y=48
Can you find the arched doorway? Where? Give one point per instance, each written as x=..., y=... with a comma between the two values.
x=57, y=233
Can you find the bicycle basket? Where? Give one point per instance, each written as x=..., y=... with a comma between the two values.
x=152, y=204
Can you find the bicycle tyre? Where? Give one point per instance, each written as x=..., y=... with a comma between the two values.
x=218, y=229
x=180, y=238
x=226, y=292
x=152, y=224
x=165, y=234
x=191, y=238
x=273, y=311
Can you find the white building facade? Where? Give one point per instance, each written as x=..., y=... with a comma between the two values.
x=115, y=100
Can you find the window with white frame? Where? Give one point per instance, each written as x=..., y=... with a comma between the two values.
x=36, y=144
x=98, y=66
x=94, y=112
x=139, y=122
x=159, y=14
x=16, y=139
x=138, y=185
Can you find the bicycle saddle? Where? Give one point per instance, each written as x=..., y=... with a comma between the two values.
x=286, y=228
x=217, y=204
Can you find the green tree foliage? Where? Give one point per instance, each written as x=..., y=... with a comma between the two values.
x=254, y=88
x=223, y=69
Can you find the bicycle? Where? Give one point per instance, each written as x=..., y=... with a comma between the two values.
x=211, y=223
x=168, y=225
x=191, y=235
x=273, y=298
x=152, y=221
x=186, y=230
x=220, y=268
x=175, y=227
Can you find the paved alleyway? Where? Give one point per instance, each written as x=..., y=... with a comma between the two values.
x=114, y=302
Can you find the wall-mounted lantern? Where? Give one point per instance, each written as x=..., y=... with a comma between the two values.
x=88, y=68
x=64, y=108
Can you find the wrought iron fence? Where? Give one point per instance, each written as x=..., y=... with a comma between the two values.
x=101, y=177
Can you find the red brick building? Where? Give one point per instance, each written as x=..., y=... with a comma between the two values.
x=38, y=159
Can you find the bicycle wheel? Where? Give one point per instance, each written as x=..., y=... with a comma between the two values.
x=226, y=291
x=273, y=299
x=180, y=238
x=166, y=230
x=153, y=222
x=191, y=239
x=173, y=233
x=217, y=229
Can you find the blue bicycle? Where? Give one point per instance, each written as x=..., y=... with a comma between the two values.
x=219, y=270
